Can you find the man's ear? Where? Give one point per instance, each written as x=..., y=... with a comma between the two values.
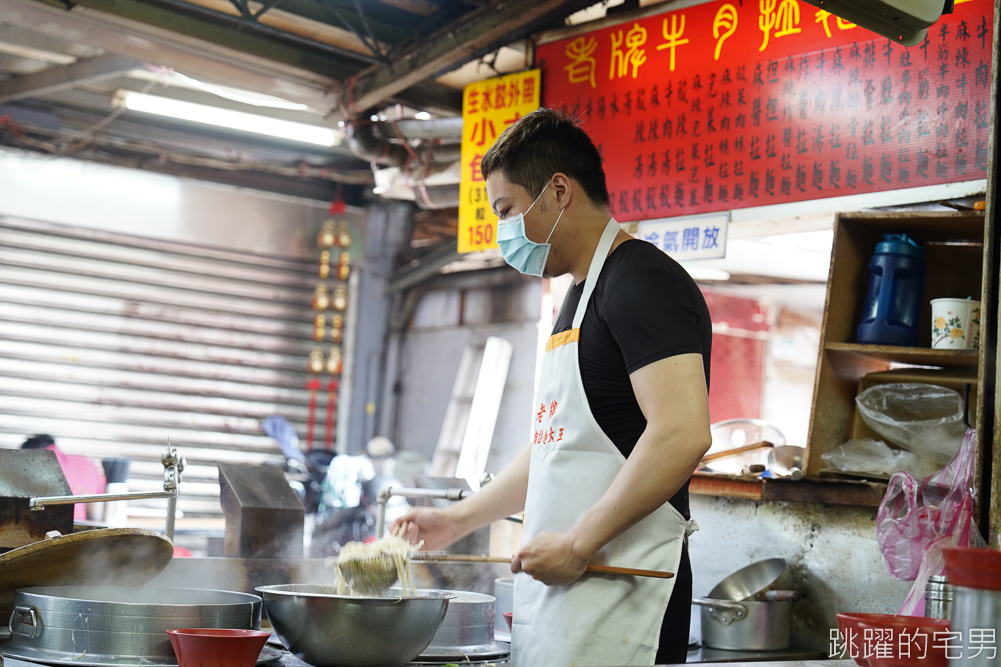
x=564, y=187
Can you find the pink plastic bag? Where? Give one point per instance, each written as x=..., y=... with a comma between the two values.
x=916, y=521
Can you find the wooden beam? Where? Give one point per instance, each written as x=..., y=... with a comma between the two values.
x=726, y=486
x=449, y=47
x=825, y=492
x=810, y=490
x=65, y=76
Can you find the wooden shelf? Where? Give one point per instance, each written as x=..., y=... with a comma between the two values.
x=809, y=490
x=726, y=486
x=953, y=253
x=916, y=356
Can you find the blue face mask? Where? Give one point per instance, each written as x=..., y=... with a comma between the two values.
x=519, y=251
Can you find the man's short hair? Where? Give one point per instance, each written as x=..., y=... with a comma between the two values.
x=542, y=143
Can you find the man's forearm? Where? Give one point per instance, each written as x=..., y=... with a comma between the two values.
x=655, y=470
x=503, y=496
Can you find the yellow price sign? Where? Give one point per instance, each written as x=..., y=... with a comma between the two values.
x=488, y=107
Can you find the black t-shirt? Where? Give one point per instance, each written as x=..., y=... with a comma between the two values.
x=645, y=307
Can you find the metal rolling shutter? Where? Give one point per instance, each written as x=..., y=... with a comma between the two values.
x=115, y=343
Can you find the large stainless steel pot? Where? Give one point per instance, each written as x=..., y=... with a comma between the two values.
x=745, y=625
x=469, y=623
x=751, y=609
x=95, y=626
x=467, y=631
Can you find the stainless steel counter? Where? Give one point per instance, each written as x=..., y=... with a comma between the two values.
x=794, y=663
x=289, y=661
x=786, y=656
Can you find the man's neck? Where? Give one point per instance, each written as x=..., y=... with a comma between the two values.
x=591, y=226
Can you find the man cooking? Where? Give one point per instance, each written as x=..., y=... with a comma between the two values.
x=620, y=420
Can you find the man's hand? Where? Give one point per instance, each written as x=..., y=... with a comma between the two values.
x=439, y=528
x=550, y=558
x=435, y=526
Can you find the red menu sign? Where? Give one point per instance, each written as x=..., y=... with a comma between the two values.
x=729, y=105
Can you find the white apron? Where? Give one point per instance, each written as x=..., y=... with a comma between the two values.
x=599, y=619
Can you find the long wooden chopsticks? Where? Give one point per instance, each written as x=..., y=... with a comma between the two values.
x=764, y=444
x=441, y=556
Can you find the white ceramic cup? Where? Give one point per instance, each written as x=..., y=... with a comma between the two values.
x=955, y=324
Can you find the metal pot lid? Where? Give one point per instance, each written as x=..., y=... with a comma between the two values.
x=134, y=596
x=749, y=582
x=124, y=556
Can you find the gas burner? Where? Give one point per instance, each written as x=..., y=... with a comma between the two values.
x=505, y=662
x=495, y=653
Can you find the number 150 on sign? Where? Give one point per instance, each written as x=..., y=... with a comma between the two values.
x=478, y=233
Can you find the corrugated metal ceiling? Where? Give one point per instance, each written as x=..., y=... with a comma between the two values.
x=62, y=64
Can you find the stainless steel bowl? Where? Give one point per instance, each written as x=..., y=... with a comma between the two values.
x=329, y=630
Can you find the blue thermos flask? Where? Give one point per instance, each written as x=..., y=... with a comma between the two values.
x=893, y=297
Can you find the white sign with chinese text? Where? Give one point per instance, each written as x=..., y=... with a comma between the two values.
x=688, y=237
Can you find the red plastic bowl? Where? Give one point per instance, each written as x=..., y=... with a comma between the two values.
x=887, y=640
x=851, y=633
x=217, y=647
x=508, y=616
x=973, y=568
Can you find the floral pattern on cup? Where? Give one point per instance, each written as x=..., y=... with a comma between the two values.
x=946, y=328
x=955, y=323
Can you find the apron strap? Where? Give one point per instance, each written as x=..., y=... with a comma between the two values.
x=600, y=254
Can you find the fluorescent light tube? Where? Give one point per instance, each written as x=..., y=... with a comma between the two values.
x=171, y=79
x=233, y=120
